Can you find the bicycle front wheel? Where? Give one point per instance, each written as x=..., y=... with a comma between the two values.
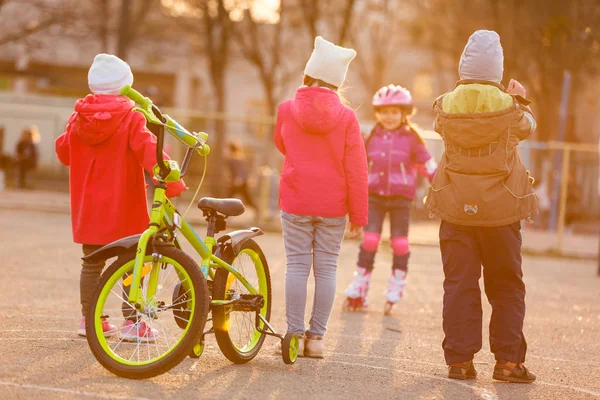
x=147, y=341
x=236, y=326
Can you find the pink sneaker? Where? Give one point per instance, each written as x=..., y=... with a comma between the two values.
x=108, y=329
x=140, y=332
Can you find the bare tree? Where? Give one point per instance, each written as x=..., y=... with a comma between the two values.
x=103, y=28
x=23, y=20
x=277, y=50
x=124, y=20
x=267, y=47
x=328, y=18
x=208, y=24
x=33, y=22
x=541, y=40
x=132, y=16
x=311, y=14
x=377, y=36
x=271, y=48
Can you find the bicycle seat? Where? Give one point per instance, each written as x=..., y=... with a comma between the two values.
x=228, y=207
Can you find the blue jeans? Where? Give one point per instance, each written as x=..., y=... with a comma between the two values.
x=310, y=242
x=399, y=210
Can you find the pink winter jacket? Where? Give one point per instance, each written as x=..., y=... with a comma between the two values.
x=325, y=168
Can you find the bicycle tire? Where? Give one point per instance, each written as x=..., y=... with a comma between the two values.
x=221, y=317
x=186, y=344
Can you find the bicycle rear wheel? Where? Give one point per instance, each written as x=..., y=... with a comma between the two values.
x=153, y=340
x=235, y=327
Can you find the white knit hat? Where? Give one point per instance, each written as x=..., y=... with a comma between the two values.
x=482, y=57
x=329, y=62
x=108, y=74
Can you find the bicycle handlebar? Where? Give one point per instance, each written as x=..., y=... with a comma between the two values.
x=150, y=111
x=136, y=96
x=164, y=169
x=195, y=140
x=145, y=104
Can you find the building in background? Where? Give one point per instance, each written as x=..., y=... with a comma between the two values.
x=43, y=71
x=39, y=82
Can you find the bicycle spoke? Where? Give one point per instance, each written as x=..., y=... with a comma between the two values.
x=161, y=284
x=138, y=343
x=183, y=295
x=118, y=344
x=165, y=275
x=122, y=299
x=159, y=332
x=157, y=348
x=148, y=349
x=183, y=319
x=162, y=329
x=172, y=281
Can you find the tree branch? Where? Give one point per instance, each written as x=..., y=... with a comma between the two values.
x=346, y=22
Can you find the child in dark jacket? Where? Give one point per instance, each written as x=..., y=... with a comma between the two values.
x=481, y=192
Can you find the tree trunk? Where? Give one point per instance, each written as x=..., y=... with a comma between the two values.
x=105, y=16
x=346, y=21
x=310, y=9
x=219, y=135
x=123, y=38
x=269, y=147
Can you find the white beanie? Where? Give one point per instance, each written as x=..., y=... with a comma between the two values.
x=329, y=62
x=108, y=74
x=482, y=57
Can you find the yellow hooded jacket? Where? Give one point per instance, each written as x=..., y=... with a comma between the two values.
x=481, y=181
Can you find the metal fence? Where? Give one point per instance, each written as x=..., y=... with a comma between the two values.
x=567, y=173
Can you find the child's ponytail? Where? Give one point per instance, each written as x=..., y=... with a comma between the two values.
x=310, y=81
x=406, y=114
x=413, y=128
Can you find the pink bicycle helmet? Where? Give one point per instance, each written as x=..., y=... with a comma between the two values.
x=392, y=95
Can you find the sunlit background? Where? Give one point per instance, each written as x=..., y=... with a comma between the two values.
x=222, y=66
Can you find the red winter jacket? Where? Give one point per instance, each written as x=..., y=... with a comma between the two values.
x=325, y=168
x=106, y=145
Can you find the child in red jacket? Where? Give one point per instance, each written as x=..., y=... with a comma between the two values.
x=107, y=146
x=324, y=178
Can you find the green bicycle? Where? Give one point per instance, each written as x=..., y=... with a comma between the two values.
x=152, y=303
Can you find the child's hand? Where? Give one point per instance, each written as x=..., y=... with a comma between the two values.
x=516, y=89
x=355, y=231
x=174, y=189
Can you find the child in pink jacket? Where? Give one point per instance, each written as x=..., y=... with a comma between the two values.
x=324, y=178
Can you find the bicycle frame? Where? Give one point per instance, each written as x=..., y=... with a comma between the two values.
x=141, y=285
x=165, y=216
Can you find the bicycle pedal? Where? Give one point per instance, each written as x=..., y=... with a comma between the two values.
x=249, y=302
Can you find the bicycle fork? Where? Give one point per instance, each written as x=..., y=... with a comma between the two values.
x=135, y=293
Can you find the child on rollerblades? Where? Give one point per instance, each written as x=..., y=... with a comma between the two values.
x=396, y=155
